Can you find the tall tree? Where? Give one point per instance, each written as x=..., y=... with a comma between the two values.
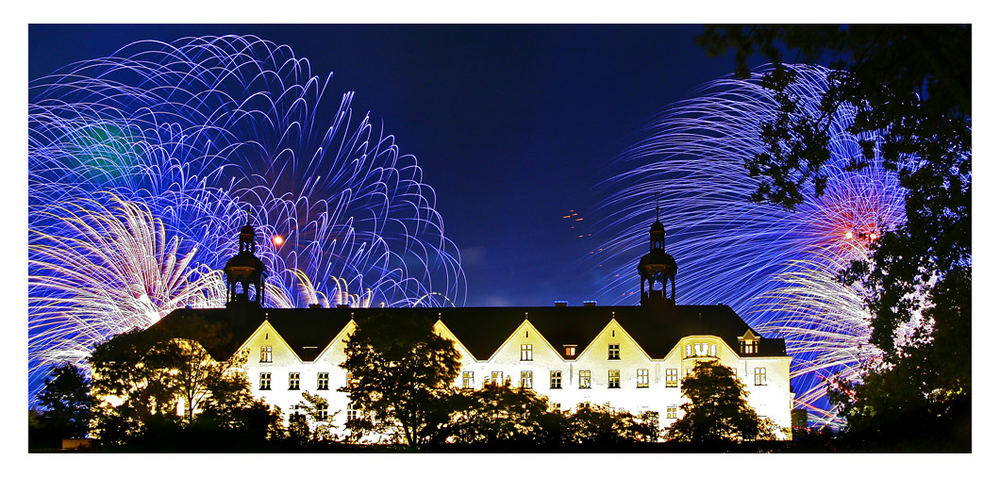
x=717, y=410
x=400, y=369
x=911, y=86
x=64, y=406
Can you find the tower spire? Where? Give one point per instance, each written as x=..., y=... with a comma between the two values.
x=657, y=195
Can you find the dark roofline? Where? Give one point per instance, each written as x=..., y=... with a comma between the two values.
x=482, y=330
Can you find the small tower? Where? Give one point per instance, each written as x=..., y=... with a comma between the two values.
x=245, y=271
x=656, y=267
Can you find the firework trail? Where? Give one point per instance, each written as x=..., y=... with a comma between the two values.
x=825, y=325
x=758, y=258
x=193, y=139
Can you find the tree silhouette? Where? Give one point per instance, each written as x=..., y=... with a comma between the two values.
x=400, y=370
x=498, y=415
x=605, y=427
x=718, y=410
x=64, y=407
x=143, y=383
x=910, y=85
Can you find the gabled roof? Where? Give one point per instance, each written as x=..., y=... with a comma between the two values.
x=482, y=330
x=219, y=330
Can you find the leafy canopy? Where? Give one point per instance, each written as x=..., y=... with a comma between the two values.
x=911, y=86
x=400, y=370
x=718, y=410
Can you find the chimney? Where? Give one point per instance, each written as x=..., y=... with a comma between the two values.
x=560, y=303
x=590, y=303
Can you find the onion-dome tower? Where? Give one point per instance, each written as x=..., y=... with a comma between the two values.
x=656, y=267
x=245, y=272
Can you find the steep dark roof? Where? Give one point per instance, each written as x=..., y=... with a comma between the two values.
x=221, y=331
x=482, y=330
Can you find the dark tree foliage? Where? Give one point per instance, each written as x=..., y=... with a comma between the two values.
x=64, y=407
x=912, y=85
x=499, y=416
x=718, y=410
x=400, y=372
x=316, y=409
x=145, y=377
x=604, y=427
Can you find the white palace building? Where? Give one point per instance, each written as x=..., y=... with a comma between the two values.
x=630, y=357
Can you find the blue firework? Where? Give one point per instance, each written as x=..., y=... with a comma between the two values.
x=752, y=256
x=188, y=140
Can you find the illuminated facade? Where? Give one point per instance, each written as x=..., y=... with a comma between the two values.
x=631, y=357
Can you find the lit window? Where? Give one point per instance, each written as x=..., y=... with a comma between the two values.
x=468, y=379
x=671, y=412
x=585, y=379
x=322, y=411
x=555, y=379
x=496, y=378
x=759, y=376
x=293, y=381
x=750, y=347
x=526, y=379
x=323, y=381
x=614, y=379
x=352, y=412
x=265, y=354
x=642, y=378
x=265, y=381
x=702, y=349
x=671, y=377
x=570, y=350
x=526, y=352
x=614, y=351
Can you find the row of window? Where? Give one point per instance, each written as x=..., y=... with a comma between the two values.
x=322, y=381
x=352, y=412
x=527, y=379
x=322, y=411
x=584, y=381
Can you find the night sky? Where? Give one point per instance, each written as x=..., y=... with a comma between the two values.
x=513, y=126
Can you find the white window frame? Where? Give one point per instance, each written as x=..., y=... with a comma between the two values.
x=642, y=378
x=323, y=381
x=672, y=377
x=614, y=351
x=266, y=355
x=555, y=379
x=526, y=353
x=496, y=377
x=293, y=381
x=760, y=376
x=468, y=379
x=614, y=379
x=585, y=379
x=527, y=379
x=265, y=381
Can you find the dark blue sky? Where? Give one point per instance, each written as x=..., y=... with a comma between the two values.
x=513, y=125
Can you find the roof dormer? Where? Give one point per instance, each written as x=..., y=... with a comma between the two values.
x=749, y=342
